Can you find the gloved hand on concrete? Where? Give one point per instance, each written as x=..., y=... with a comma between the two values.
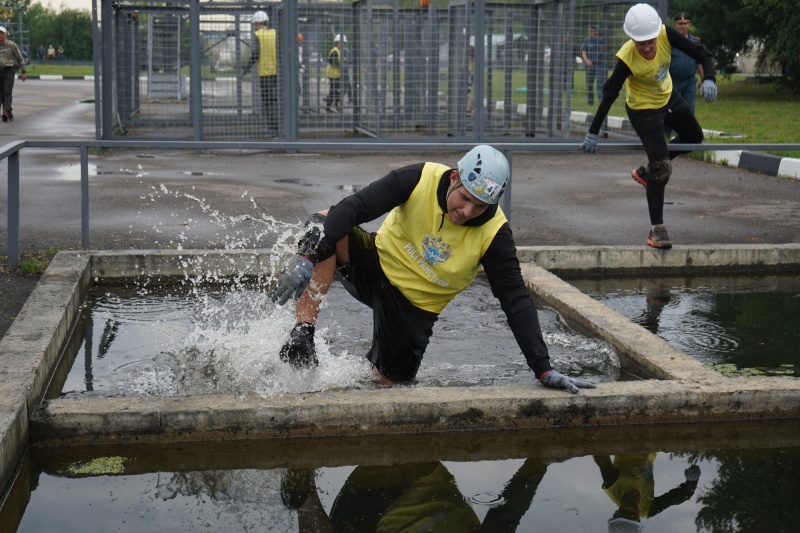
x=709, y=91
x=293, y=280
x=551, y=378
x=589, y=143
x=299, y=350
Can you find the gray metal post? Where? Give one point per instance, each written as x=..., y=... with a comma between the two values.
x=107, y=71
x=196, y=80
x=13, y=208
x=98, y=54
x=85, y=197
x=480, y=69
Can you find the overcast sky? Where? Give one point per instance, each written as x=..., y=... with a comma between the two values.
x=73, y=4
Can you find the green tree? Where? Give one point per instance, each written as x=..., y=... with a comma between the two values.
x=70, y=28
x=737, y=25
x=724, y=35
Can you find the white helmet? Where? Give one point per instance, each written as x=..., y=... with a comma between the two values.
x=260, y=16
x=340, y=38
x=642, y=23
x=484, y=172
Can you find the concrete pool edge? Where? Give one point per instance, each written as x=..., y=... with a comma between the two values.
x=30, y=350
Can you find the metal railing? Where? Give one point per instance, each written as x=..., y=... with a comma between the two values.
x=11, y=152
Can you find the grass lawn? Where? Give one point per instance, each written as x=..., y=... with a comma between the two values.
x=762, y=111
x=56, y=69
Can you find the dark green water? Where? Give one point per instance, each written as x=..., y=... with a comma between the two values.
x=742, y=477
x=740, y=324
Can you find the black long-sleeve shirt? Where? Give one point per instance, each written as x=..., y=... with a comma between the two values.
x=500, y=262
x=613, y=85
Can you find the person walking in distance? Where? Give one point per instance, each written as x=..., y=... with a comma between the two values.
x=651, y=103
x=442, y=225
x=334, y=74
x=264, y=57
x=10, y=59
x=592, y=55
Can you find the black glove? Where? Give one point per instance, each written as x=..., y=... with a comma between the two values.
x=245, y=71
x=299, y=350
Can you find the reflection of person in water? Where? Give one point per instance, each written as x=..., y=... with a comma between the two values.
x=656, y=300
x=408, y=497
x=629, y=482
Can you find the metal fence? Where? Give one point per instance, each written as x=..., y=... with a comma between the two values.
x=473, y=70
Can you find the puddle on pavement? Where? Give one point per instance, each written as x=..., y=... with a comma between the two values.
x=739, y=324
x=146, y=339
x=714, y=477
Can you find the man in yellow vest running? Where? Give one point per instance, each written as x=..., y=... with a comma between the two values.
x=264, y=56
x=443, y=224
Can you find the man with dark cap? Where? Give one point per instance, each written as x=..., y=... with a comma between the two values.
x=683, y=68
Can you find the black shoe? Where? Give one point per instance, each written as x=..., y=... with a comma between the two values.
x=10, y=116
x=5, y=117
x=299, y=350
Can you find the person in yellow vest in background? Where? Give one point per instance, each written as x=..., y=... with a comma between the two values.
x=264, y=56
x=442, y=225
x=334, y=75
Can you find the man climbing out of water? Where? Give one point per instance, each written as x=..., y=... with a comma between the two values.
x=442, y=225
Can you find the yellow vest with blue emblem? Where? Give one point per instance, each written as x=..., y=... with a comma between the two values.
x=267, y=52
x=650, y=85
x=427, y=257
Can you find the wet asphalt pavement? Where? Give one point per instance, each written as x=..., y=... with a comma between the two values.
x=162, y=198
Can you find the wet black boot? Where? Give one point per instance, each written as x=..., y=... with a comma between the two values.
x=299, y=350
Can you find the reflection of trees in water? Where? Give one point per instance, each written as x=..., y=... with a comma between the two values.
x=251, y=496
x=755, y=490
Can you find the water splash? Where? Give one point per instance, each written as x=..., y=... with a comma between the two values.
x=217, y=333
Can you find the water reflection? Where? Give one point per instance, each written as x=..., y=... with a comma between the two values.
x=739, y=324
x=593, y=480
x=629, y=482
x=408, y=497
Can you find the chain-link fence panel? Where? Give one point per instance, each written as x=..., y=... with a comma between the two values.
x=228, y=70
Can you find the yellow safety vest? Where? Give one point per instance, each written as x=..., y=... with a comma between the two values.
x=267, y=52
x=650, y=85
x=332, y=71
x=635, y=472
x=427, y=257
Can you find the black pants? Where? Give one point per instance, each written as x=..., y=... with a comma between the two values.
x=649, y=126
x=334, y=97
x=6, y=87
x=400, y=330
x=269, y=97
x=594, y=77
